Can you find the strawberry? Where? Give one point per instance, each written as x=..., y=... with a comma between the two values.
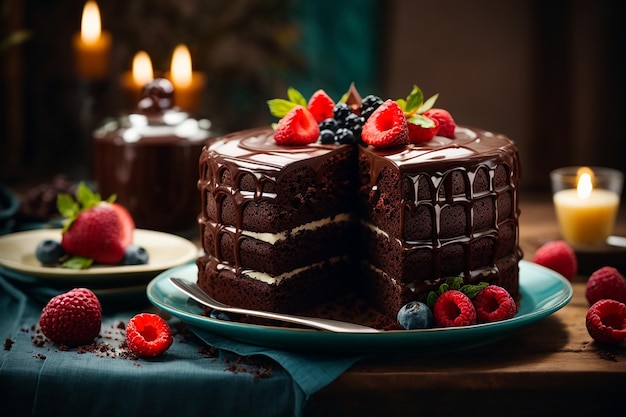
x=321, y=106
x=95, y=231
x=494, y=303
x=606, y=321
x=419, y=134
x=606, y=282
x=72, y=318
x=446, y=123
x=386, y=127
x=454, y=308
x=126, y=222
x=559, y=256
x=148, y=335
x=297, y=127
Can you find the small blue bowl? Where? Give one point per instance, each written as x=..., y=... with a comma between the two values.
x=9, y=205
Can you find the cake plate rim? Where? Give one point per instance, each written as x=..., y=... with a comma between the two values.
x=543, y=292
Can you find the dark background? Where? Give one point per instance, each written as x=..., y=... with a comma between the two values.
x=549, y=74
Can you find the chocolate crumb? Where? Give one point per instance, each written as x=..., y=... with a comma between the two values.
x=8, y=343
x=607, y=355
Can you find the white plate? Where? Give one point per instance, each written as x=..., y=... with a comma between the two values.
x=165, y=251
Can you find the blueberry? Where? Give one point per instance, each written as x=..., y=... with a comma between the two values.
x=49, y=251
x=341, y=111
x=327, y=137
x=135, y=255
x=330, y=124
x=344, y=136
x=220, y=315
x=415, y=315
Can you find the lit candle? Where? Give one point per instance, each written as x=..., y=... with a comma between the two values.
x=92, y=45
x=586, y=214
x=133, y=81
x=188, y=84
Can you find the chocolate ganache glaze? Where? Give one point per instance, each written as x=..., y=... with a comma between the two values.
x=456, y=208
x=148, y=159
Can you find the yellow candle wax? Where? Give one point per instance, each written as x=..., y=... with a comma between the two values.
x=92, y=45
x=188, y=84
x=587, y=220
x=133, y=81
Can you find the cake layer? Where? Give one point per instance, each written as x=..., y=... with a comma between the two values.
x=249, y=182
x=277, y=253
x=303, y=289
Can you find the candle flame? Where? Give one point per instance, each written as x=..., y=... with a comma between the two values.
x=142, y=68
x=585, y=182
x=181, y=67
x=90, y=24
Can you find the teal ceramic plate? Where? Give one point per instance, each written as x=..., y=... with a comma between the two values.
x=543, y=292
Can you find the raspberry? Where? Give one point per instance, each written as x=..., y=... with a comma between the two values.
x=444, y=120
x=72, y=318
x=559, y=256
x=148, y=335
x=419, y=134
x=298, y=127
x=606, y=321
x=321, y=106
x=386, y=127
x=606, y=282
x=453, y=308
x=494, y=303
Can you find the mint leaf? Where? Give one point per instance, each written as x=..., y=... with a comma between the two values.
x=296, y=97
x=471, y=290
x=428, y=104
x=423, y=121
x=455, y=283
x=77, y=262
x=85, y=196
x=66, y=205
x=414, y=100
x=279, y=107
x=431, y=298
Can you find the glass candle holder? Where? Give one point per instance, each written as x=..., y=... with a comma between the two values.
x=586, y=201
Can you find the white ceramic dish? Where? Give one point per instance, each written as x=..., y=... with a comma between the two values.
x=17, y=252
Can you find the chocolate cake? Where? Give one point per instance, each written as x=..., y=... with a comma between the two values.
x=285, y=228
x=148, y=159
x=382, y=200
x=277, y=223
x=448, y=207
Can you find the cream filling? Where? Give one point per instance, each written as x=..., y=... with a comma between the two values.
x=268, y=279
x=272, y=238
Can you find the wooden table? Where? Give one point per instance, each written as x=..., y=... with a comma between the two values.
x=551, y=367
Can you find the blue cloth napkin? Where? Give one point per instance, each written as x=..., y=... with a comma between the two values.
x=37, y=378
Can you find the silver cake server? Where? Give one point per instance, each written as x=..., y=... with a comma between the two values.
x=195, y=292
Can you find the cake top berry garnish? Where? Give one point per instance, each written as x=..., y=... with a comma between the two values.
x=407, y=120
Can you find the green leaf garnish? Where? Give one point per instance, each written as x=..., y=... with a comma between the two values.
x=77, y=262
x=414, y=100
x=296, y=97
x=279, y=107
x=85, y=199
x=471, y=290
x=454, y=283
x=414, y=105
x=421, y=120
